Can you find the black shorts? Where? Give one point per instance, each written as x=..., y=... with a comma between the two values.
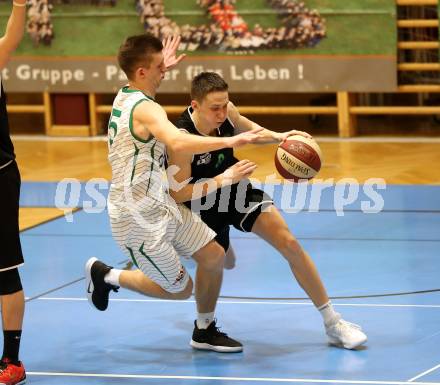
x=10, y=254
x=243, y=219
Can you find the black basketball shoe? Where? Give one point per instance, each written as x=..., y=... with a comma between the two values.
x=213, y=339
x=97, y=289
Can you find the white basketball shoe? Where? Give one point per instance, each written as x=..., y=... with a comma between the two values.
x=345, y=334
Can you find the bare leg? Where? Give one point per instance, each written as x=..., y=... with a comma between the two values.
x=209, y=276
x=271, y=226
x=206, y=336
x=137, y=281
x=230, y=258
x=13, y=310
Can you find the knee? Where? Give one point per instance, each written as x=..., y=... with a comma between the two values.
x=215, y=259
x=289, y=246
x=218, y=258
x=185, y=293
x=10, y=282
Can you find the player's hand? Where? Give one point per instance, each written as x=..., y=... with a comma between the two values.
x=240, y=170
x=282, y=136
x=170, y=46
x=244, y=138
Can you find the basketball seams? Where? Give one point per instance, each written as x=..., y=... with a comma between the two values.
x=283, y=172
x=298, y=158
x=310, y=141
x=290, y=172
x=311, y=159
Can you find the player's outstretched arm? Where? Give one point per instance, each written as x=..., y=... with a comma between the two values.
x=150, y=118
x=243, y=124
x=14, y=31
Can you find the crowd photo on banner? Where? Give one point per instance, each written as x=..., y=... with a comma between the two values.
x=228, y=31
x=225, y=29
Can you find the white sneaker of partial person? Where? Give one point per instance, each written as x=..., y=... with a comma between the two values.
x=345, y=334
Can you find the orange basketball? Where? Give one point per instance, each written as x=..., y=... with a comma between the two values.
x=298, y=158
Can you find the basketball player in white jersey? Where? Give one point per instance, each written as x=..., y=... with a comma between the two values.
x=11, y=291
x=146, y=222
x=248, y=209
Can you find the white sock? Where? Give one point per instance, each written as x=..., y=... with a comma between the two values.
x=112, y=277
x=329, y=315
x=204, y=320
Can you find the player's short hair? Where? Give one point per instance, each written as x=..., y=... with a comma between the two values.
x=205, y=83
x=137, y=50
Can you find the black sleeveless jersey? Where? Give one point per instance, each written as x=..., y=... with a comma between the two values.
x=209, y=164
x=212, y=163
x=6, y=146
x=239, y=204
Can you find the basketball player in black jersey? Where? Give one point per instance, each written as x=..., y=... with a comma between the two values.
x=11, y=292
x=211, y=113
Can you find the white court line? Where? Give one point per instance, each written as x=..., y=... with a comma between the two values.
x=239, y=302
x=244, y=379
x=428, y=337
x=423, y=374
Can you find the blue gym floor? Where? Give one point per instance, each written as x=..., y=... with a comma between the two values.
x=385, y=267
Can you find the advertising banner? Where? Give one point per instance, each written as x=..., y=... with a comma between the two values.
x=258, y=46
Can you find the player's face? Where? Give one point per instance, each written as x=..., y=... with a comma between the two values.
x=156, y=71
x=157, y=68
x=213, y=110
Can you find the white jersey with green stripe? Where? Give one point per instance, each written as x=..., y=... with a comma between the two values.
x=139, y=181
